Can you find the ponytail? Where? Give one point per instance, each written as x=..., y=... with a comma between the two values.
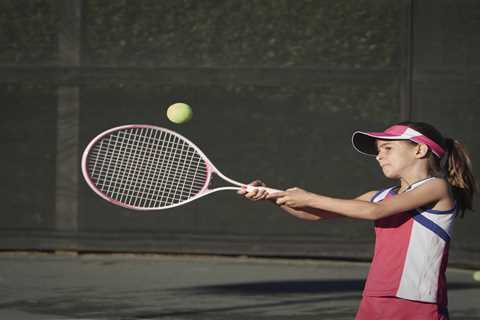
x=458, y=170
x=455, y=166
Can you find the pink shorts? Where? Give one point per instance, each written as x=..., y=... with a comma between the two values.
x=392, y=308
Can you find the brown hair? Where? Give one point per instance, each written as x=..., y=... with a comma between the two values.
x=455, y=166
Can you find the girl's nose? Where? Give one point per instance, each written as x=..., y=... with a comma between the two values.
x=378, y=156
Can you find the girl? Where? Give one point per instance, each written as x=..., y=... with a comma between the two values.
x=413, y=220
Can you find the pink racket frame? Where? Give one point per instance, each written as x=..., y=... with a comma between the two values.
x=211, y=169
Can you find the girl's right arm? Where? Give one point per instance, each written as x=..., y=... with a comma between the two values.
x=305, y=213
x=309, y=213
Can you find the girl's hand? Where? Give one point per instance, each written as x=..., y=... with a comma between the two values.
x=293, y=198
x=256, y=194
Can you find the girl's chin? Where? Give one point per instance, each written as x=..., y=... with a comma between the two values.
x=389, y=174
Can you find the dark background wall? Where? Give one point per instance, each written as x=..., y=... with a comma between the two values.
x=277, y=87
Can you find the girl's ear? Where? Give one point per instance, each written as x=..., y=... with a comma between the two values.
x=422, y=150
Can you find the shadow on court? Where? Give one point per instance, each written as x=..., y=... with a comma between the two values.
x=283, y=287
x=301, y=287
x=45, y=286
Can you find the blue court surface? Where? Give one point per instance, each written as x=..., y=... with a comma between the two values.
x=123, y=286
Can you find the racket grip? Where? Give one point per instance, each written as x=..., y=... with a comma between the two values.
x=269, y=190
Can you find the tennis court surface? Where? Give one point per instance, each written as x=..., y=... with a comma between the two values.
x=122, y=286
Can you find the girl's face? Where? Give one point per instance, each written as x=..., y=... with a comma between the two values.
x=395, y=157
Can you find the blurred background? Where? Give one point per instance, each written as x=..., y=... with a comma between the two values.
x=277, y=88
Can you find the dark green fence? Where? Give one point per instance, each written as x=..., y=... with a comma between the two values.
x=277, y=87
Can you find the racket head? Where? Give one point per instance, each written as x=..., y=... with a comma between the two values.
x=145, y=167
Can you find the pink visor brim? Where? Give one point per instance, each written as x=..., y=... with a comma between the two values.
x=364, y=142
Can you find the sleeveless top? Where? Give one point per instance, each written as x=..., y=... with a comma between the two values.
x=411, y=253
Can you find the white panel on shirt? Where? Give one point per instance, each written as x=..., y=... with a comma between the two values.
x=420, y=276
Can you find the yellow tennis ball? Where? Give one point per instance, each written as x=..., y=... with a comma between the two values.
x=476, y=276
x=179, y=112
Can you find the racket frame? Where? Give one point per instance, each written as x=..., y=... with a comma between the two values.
x=210, y=168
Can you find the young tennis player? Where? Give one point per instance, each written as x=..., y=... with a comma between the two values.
x=413, y=220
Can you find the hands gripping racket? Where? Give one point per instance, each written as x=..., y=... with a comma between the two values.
x=146, y=167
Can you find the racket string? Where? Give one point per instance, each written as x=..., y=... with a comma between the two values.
x=181, y=170
x=129, y=177
x=125, y=150
x=164, y=191
x=147, y=165
x=136, y=171
x=147, y=168
x=140, y=188
x=107, y=155
x=116, y=168
x=139, y=177
x=147, y=180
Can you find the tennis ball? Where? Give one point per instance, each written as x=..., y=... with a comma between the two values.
x=179, y=112
x=476, y=276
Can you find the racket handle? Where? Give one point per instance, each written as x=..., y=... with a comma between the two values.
x=269, y=190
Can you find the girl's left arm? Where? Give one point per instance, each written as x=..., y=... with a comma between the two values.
x=428, y=193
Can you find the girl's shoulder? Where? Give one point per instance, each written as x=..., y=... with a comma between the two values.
x=440, y=186
x=437, y=184
x=432, y=188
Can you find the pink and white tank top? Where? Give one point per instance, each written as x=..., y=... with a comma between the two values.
x=411, y=253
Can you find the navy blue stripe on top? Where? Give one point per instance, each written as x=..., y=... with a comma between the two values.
x=376, y=195
x=427, y=223
x=432, y=226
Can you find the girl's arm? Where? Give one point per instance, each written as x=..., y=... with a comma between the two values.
x=431, y=192
x=311, y=213
x=305, y=213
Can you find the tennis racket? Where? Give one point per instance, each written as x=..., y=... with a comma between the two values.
x=145, y=167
